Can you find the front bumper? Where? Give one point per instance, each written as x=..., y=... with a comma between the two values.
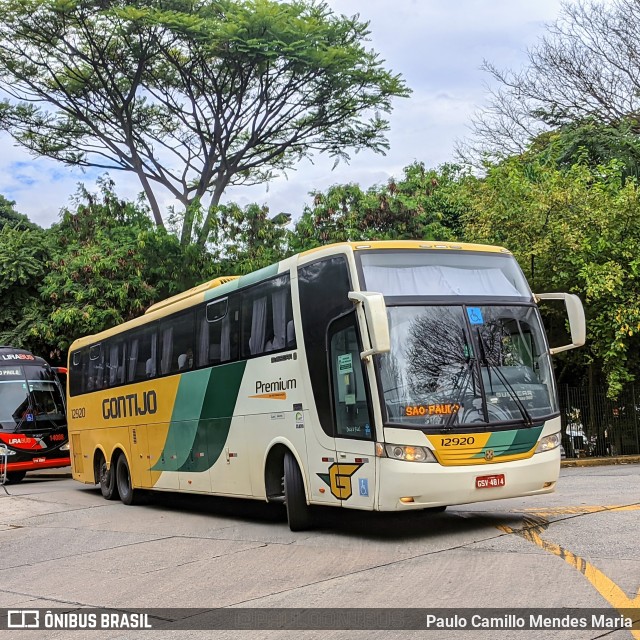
x=433, y=485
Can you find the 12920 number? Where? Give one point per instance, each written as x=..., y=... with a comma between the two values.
x=457, y=442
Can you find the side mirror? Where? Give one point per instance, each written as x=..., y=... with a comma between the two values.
x=577, y=322
x=375, y=312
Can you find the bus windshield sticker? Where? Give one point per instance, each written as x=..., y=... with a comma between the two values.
x=345, y=363
x=475, y=315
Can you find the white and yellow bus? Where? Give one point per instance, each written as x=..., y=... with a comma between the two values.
x=378, y=376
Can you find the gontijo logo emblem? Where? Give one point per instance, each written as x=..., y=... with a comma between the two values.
x=339, y=479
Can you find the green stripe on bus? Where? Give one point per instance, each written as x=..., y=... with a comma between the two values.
x=524, y=441
x=221, y=291
x=510, y=443
x=258, y=276
x=201, y=418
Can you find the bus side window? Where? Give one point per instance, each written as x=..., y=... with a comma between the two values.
x=209, y=325
x=267, y=318
x=141, y=353
x=176, y=343
x=95, y=380
x=230, y=330
x=78, y=372
x=115, y=362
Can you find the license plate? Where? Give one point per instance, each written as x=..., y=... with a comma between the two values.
x=488, y=482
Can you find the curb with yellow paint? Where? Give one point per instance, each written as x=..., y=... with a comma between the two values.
x=597, y=462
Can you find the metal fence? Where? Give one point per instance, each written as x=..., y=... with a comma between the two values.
x=594, y=425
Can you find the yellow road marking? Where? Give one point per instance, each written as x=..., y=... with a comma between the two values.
x=562, y=511
x=607, y=588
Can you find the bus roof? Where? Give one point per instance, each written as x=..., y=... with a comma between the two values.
x=410, y=244
x=226, y=284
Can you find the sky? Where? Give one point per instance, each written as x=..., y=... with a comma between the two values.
x=438, y=46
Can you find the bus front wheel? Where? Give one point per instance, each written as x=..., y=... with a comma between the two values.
x=106, y=479
x=15, y=476
x=123, y=481
x=440, y=509
x=298, y=512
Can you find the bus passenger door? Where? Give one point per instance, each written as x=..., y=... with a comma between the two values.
x=353, y=475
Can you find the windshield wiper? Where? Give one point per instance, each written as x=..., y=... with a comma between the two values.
x=448, y=425
x=528, y=421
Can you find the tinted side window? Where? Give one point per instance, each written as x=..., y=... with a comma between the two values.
x=267, y=318
x=142, y=354
x=115, y=364
x=177, y=343
x=95, y=380
x=209, y=331
x=78, y=363
x=324, y=286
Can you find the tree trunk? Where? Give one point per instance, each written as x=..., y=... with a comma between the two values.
x=206, y=226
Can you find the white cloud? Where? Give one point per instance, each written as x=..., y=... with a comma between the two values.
x=438, y=47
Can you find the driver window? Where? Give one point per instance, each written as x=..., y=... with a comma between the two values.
x=351, y=410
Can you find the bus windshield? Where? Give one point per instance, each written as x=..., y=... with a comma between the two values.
x=439, y=274
x=30, y=398
x=459, y=365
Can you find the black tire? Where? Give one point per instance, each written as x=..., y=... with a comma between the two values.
x=440, y=509
x=13, y=477
x=106, y=479
x=123, y=481
x=298, y=512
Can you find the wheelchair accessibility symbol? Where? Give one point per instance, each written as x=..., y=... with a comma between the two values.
x=475, y=315
x=363, y=486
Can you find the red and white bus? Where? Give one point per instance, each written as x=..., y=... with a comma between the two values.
x=33, y=422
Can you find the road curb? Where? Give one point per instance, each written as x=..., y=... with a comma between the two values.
x=599, y=462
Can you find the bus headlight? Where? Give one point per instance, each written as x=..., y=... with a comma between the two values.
x=5, y=451
x=65, y=447
x=548, y=443
x=409, y=453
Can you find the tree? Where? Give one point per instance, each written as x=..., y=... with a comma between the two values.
x=591, y=143
x=24, y=252
x=190, y=96
x=9, y=216
x=423, y=204
x=108, y=265
x=571, y=230
x=586, y=69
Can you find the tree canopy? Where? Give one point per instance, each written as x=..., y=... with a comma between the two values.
x=585, y=69
x=576, y=230
x=422, y=203
x=190, y=96
x=108, y=264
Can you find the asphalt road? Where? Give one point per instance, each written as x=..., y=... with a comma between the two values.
x=63, y=545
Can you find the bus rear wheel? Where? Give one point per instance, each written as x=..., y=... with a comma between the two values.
x=298, y=512
x=123, y=481
x=13, y=477
x=106, y=479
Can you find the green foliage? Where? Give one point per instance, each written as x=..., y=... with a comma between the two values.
x=248, y=239
x=23, y=254
x=9, y=216
x=191, y=97
x=592, y=143
x=424, y=204
x=576, y=230
x=108, y=265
